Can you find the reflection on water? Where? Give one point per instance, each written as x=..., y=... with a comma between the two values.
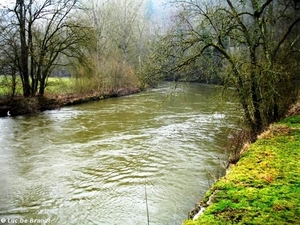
x=89, y=164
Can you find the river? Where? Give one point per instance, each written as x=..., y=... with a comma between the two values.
x=105, y=162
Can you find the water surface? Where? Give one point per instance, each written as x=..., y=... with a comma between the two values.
x=95, y=163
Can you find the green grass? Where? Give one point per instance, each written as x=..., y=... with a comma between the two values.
x=59, y=85
x=264, y=186
x=55, y=85
x=6, y=84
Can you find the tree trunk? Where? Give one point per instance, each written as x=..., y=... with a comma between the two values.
x=42, y=88
x=24, y=72
x=258, y=123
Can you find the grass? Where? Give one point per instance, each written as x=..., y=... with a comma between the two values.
x=55, y=85
x=61, y=85
x=264, y=186
x=5, y=86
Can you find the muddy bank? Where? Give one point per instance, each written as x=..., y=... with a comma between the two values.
x=21, y=106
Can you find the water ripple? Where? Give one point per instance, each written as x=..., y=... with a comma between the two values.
x=90, y=164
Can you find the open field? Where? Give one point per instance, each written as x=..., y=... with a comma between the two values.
x=55, y=85
x=58, y=85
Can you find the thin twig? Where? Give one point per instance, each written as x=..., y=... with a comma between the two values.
x=146, y=197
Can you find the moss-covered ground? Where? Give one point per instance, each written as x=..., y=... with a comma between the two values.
x=264, y=186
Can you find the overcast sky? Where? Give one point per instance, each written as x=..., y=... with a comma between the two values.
x=160, y=9
x=156, y=3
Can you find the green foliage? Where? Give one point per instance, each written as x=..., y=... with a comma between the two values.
x=264, y=186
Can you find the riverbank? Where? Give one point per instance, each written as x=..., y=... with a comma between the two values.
x=21, y=106
x=263, y=187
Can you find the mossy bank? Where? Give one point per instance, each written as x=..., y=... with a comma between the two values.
x=263, y=187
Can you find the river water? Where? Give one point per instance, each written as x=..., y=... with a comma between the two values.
x=105, y=162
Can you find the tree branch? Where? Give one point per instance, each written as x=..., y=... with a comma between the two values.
x=290, y=29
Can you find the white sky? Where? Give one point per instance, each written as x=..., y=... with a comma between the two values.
x=156, y=3
x=6, y=3
x=161, y=8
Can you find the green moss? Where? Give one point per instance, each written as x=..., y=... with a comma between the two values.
x=264, y=186
x=290, y=121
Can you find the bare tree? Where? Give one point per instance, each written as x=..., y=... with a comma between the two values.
x=256, y=44
x=9, y=50
x=118, y=38
x=45, y=31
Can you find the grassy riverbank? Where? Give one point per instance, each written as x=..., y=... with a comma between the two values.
x=60, y=92
x=264, y=186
